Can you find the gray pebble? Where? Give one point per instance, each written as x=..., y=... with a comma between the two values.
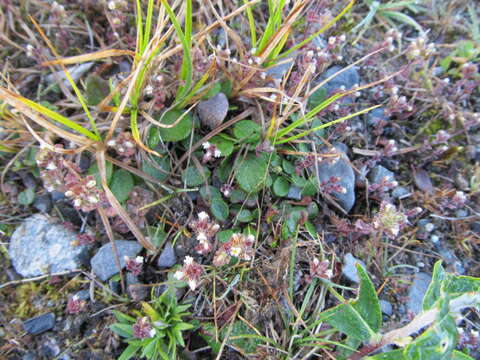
x=349, y=269
x=167, y=258
x=213, y=111
x=39, y=324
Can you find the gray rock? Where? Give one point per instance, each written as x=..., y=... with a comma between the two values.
x=475, y=227
x=347, y=80
x=417, y=291
x=278, y=71
x=386, y=307
x=213, y=111
x=43, y=203
x=50, y=348
x=76, y=72
x=378, y=173
x=294, y=193
x=39, y=324
x=343, y=170
x=376, y=115
x=103, y=263
x=40, y=246
x=30, y=356
x=400, y=192
x=137, y=293
x=167, y=258
x=349, y=267
x=83, y=294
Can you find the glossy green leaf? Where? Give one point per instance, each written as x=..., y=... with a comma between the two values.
x=433, y=291
x=224, y=145
x=244, y=215
x=129, y=352
x=122, y=184
x=124, y=330
x=367, y=303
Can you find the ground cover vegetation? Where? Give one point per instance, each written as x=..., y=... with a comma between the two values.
x=234, y=179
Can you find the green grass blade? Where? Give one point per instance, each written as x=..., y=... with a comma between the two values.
x=322, y=30
x=251, y=24
x=139, y=19
x=402, y=18
x=330, y=123
x=148, y=26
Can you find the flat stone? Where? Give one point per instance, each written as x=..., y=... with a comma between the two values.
x=386, y=307
x=103, y=263
x=213, y=111
x=43, y=203
x=378, y=173
x=346, y=80
x=343, y=170
x=294, y=193
x=39, y=324
x=349, y=269
x=376, y=115
x=41, y=246
x=167, y=258
x=417, y=291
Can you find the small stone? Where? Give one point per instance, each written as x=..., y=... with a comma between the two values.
x=57, y=196
x=378, y=173
x=343, y=170
x=39, y=324
x=43, y=203
x=40, y=246
x=476, y=227
x=104, y=264
x=294, y=193
x=167, y=258
x=279, y=71
x=346, y=80
x=83, y=294
x=349, y=267
x=49, y=348
x=461, y=213
x=417, y=291
x=137, y=293
x=400, y=192
x=375, y=116
x=213, y=111
x=29, y=356
x=386, y=307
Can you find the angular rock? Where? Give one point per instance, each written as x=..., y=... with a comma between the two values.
x=417, y=291
x=39, y=324
x=137, y=293
x=378, y=173
x=43, y=203
x=343, y=170
x=294, y=193
x=40, y=246
x=167, y=258
x=386, y=307
x=213, y=111
x=375, y=116
x=103, y=263
x=349, y=269
x=346, y=80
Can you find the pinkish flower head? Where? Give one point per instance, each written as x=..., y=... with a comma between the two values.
x=190, y=272
x=142, y=329
x=204, y=231
x=319, y=269
x=239, y=246
x=75, y=305
x=134, y=265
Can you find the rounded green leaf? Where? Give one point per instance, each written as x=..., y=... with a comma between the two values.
x=281, y=186
x=210, y=192
x=193, y=177
x=251, y=172
x=93, y=170
x=225, y=146
x=247, y=131
x=122, y=184
x=179, y=131
x=244, y=215
x=219, y=209
x=158, y=169
x=26, y=197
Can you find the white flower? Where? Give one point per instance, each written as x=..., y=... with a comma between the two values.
x=235, y=251
x=129, y=144
x=93, y=199
x=51, y=166
x=206, y=145
x=217, y=153
x=68, y=193
x=193, y=284
x=111, y=143
x=139, y=259
x=152, y=332
x=203, y=216
x=179, y=275
x=188, y=260
x=77, y=202
x=112, y=5
x=91, y=184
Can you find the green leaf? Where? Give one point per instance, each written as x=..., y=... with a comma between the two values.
x=124, y=330
x=129, y=352
x=458, y=355
x=224, y=235
x=433, y=291
x=219, y=209
x=251, y=172
x=208, y=334
x=241, y=330
x=96, y=88
x=281, y=186
x=26, y=197
x=237, y=196
x=227, y=87
x=159, y=169
x=123, y=318
x=179, y=131
x=193, y=177
x=391, y=355
x=93, y=170
x=244, y=215
x=317, y=98
x=367, y=304
x=460, y=284
x=247, y=131
x=214, y=90
x=209, y=192
x=225, y=146
x=122, y=184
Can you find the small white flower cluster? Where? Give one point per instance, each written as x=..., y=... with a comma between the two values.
x=211, y=152
x=190, y=272
x=420, y=49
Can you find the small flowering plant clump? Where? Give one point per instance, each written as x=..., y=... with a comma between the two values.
x=319, y=269
x=157, y=332
x=389, y=220
x=75, y=305
x=239, y=246
x=204, y=230
x=190, y=272
x=134, y=265
x=211, y=152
